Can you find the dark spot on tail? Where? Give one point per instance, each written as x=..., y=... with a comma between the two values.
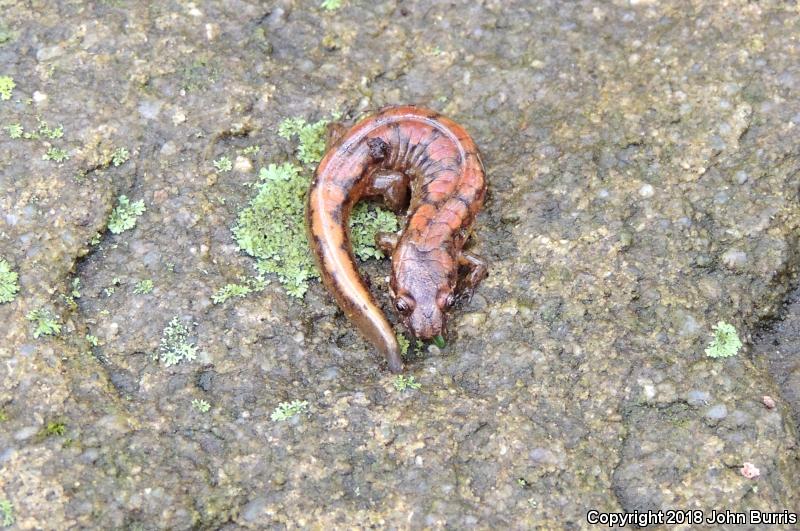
x=336, y=214
x=378, y=149
x=463, y=200
x=317, y=243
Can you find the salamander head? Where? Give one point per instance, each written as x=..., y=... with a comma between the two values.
x=422, y=292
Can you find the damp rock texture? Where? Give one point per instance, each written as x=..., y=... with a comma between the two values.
x=777, y=350
x=644, y=168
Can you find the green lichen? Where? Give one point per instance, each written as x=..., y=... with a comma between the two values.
x=75, y=292
x=6, y=34
x=237, y=290
x=9, y=285
x=366, y=221
x=56, y=154
x=228, y=291
x=331, y=5
x=92, y=340
x=14, y=130
x=201, y=405
x=45, y=131
x=110, y=290
x=198, y=74
x=120, y=156
x=7, y=513
x=45, y=321
x=223, y=164
x=290, y=127
x=175, y=346
x=6, y=87
x=311, y=137
x=404, y=343
x=125, y=214
x=70, y=302
x=54, y=429
x=726, y=342
x=42, y=131
x=287, y=410
x=401, y=383
x=272, y=229
x=143, y=287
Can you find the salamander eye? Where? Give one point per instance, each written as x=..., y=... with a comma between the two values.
x=445, y=300
x=403, y=305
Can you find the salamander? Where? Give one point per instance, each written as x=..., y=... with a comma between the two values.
x=411, y=158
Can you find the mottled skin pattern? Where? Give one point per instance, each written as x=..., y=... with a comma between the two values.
x=382, y=156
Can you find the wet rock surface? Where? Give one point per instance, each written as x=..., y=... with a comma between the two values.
x=644, y=168
x=777, y=350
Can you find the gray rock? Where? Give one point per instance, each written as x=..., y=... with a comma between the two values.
x=253, y=509
x=734, y=258
x=642, y=185
x=26, y=433
x=698, y=398
x=717, y=412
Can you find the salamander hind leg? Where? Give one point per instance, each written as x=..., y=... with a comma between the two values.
x=477, y=270
x=391, y=186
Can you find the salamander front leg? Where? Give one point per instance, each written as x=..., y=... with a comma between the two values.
x=477, y=271
x=386, y=242
x=333, y=133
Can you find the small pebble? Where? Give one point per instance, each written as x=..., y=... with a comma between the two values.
x=646, y=191
x=90, y=455
x=212, y=31
x=734, y=258
x=717, y=412
x=51, y=52
x=698, y=398
x=768, y=402
x=649, y=391
x=150, y=108
x=750, y=471
x=689, y=326
x=473, y=320
x=179, y=117
x=243, y=165
x=7, y=454
x=169, y=149
x=543, y=456
x=26, y=433
x=253, y=508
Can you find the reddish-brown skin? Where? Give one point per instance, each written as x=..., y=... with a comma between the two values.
x=381, y=156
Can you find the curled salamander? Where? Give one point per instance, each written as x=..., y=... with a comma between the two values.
x=409, y=157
